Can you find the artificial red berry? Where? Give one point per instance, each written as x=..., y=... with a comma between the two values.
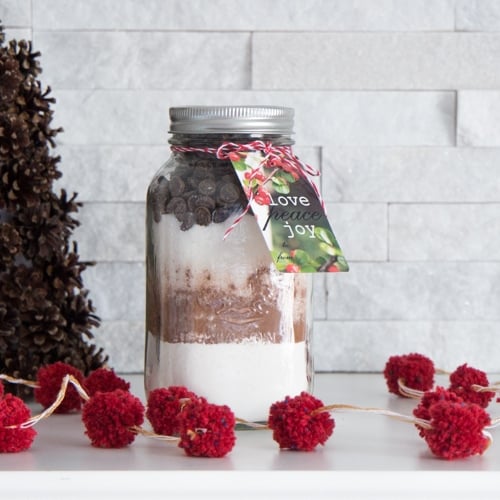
x=13, y=412
x=333, y=269
x=104, y=380
x=292, y=268
x=296, y=425
x=262, y=197
x=254, y=174
x=164, y=406
x=206, y=429
x=462, y=381
x=110, y=418
x=49, y=379
x=457, y=430
x=415, y=371
x=233, y=156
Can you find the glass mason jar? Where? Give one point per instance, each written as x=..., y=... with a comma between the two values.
x=221, y=320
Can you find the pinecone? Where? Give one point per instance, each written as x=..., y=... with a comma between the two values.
x=9, y=322
x=14, y=138
x=28, y=60
x=45, y=313
x=10, y=243
x=10, y=79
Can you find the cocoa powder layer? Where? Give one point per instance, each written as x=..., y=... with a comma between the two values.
x=270, y=309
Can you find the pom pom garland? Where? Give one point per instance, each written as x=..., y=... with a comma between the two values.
x=49, y=379
x=414, y=371
x=206, y=430
x=111, y=417
x=429, y=399
x=14, y=437
x=452, y=427
x=164, y=405
x=104, y=380
x=297, y=425
x=471, y=385
x=457, y=430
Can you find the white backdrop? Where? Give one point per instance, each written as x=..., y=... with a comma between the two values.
x=397, y=102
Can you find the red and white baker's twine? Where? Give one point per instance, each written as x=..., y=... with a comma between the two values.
x=274, y=156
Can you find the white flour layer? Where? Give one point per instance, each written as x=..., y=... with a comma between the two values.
x=202, y=251
x=247, y=377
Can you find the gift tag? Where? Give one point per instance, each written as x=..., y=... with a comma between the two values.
x=289, y=213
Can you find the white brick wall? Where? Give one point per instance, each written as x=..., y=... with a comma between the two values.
x=397, y=101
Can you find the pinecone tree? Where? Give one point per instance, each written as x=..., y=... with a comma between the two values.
x=45, y=313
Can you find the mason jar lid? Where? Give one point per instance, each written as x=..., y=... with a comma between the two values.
x=275, y=120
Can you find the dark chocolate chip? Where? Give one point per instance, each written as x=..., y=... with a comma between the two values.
x=228, y=193
x=177, y=206
x=198, y=200
x=203, y=216
x=177, y=186
x=220, y=214
x=187, y=221
x=200, y=173
x=159, y=195
x=205, y=164
x=207, y=187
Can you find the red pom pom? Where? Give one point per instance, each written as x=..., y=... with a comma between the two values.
x=457, y=430
x=104, y=380
x=462, y=380
x=296, y=427
x=430, y=398
x=13, y=412
x=49, y=379
x=110, y=416
x=164, y=406
x=206, y=430
x=416, y=371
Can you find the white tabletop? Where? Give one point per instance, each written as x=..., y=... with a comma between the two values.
x=367, y=454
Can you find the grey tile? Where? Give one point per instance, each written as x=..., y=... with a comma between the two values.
x=361, y=229
x=322, y=118
x=144, y=60
x=447, y=232
x=123, y=342
x=425, y=291
x=376, y=61
x=365, y=346
x=411, y=174
x=109, y=173
x=117, y=290
x=111, y=232
x=478, y=119
x=336, y=15
x=478, y=15
x=15, y=13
